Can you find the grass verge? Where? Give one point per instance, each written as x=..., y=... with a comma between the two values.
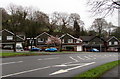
x=12, y=54
x=98, y=71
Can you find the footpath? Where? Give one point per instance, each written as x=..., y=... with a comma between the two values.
x=113, y=73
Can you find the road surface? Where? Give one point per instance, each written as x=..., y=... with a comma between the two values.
x=63, y=65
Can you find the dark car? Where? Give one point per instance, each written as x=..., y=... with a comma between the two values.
x=36, y=49
x=51, y=49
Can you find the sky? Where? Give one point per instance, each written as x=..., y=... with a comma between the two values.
x=68, y=6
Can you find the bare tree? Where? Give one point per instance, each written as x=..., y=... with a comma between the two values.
x=99, y=25
x=17, y=17
x=75, y=17
x=103, y=7
x=61, y=20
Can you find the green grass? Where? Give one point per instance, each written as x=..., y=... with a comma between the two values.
x=98, y=71
x=11, y=54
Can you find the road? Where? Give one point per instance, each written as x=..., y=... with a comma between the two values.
x=63, y=65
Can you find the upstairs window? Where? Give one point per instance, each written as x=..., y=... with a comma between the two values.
x=115, y=43
x=0, y=37
x=9, y=37
x=62, y=40
x=31, y=41
x=70, y=40
x=41, y=40
x=110, y=43
x=77, y=41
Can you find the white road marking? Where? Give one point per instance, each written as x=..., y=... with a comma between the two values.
x=67, y=70
x=49, y=58
x=86, y=57
x=10, y=62
x=40, y=59
x=25, y=71
x=63, y=65
x=80, y=58
x=68, y=62
x=73, y=59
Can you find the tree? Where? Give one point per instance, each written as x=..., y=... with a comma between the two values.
x=16, y=20
x=36, y=21
x=54, y=41
x=76, y=29
x=116, y=32
x=5, y=18
x=103, y=7
x=110, y=28
x=99, y=25
x=77, y=23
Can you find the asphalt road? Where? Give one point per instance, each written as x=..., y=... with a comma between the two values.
x=63, y=65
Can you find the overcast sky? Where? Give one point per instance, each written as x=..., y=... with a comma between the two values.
x=68, y=6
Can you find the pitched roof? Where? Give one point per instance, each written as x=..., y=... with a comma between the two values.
x=11, y=33
x=42, y=34
x=71, y=37
x=86, y=38
x=99, y=38
x=110, y=37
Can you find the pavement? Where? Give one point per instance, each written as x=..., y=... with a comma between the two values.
x=113, y=73
x=60, y=65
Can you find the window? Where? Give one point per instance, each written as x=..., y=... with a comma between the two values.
x=94, y=43
x=62, y=40
x=9, y=37
x=110, y=43
x=70, y=40
x=40, y=40
x=0, y=37
x=115, y=43
x=77, y=41
x=31, y=41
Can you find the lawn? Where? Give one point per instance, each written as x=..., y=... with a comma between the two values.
x=98, y=71
x=12, y=54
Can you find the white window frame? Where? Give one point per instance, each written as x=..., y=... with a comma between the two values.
x=63, y=41
x=0, y=37
x=110, y=43
x=41, y=40
x=31, y=40
x=9, y=37
x=115, y=43
x=77, y=41
x=70, y=40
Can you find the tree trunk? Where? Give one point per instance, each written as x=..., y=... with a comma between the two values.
x=15, y=42
x=60, y=47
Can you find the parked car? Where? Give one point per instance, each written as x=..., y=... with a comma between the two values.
x=51, y=49
x=94, y=50
x=36, y=49
x=8, y=47
x=19, y=49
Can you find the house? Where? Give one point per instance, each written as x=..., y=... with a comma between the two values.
x=7, y=39
x=113, y=44
x=40, y=40
x=70, y=43
x=93, y=42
